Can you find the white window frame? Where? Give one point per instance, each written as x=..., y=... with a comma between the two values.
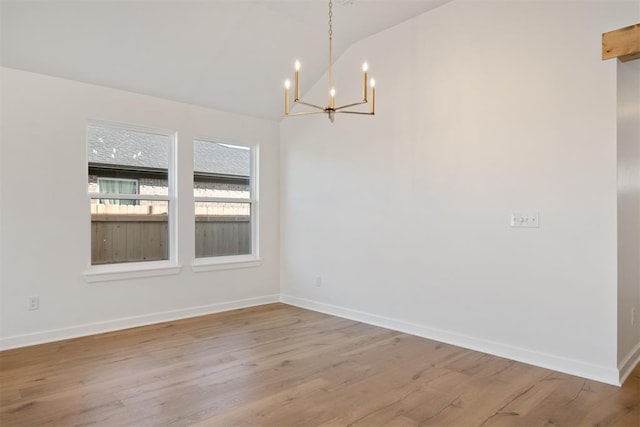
x=130, y=270
x=227, y=262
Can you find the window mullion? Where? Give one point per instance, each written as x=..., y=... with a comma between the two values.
x=117, y=196
x=222, y=200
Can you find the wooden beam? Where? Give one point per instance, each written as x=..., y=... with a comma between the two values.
x=623, y=44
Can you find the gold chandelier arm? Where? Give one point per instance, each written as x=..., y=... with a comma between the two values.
x=304, y=113
x=364, y=113
x=310, y=105
x=350, y=105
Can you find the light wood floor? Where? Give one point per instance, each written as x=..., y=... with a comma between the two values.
x=278, y=365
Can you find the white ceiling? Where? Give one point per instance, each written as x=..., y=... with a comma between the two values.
x=227, y=55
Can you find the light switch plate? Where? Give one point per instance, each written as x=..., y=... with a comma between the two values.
x=525, y=220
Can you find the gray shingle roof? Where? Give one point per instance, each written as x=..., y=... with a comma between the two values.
x=134, y=149
x=223, y=159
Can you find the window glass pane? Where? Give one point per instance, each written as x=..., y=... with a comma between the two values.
x=221, y=170
x=123, y=232
x=117, y=156
x=222, y=229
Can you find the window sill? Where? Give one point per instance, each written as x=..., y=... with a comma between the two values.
x=104, y=273
x=225, y=263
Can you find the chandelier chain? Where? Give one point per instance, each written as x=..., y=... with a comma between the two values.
x=330, y=18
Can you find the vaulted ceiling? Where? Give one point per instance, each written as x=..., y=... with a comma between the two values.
x=227, y=55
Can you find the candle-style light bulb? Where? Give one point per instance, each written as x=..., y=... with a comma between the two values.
x=365, y=67
x=287, y=85
x=373, y=95
x=332, y=100
x=297, y=81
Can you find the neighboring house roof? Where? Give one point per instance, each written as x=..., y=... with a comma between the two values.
x=113, y=146
x=222, y=159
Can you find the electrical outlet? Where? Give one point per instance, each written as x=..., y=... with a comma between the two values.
x=525, y=220
x=318, y=281
x=34, y=303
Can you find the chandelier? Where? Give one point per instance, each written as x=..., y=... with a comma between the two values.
x=331, y=108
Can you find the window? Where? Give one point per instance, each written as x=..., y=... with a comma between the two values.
x=225, y=194
x=130, y=191
x=118, y=186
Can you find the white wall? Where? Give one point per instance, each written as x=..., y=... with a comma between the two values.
x=628, y=214
x=484, y=109
x=45, y=233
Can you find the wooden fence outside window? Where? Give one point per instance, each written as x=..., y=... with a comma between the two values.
x=117, y=238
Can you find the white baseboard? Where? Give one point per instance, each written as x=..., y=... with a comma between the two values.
x=556, y=363
x=548, y=361
x=629, y=363
x=129, y=322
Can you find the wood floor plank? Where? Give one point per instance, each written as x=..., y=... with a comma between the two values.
x=278, y=365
